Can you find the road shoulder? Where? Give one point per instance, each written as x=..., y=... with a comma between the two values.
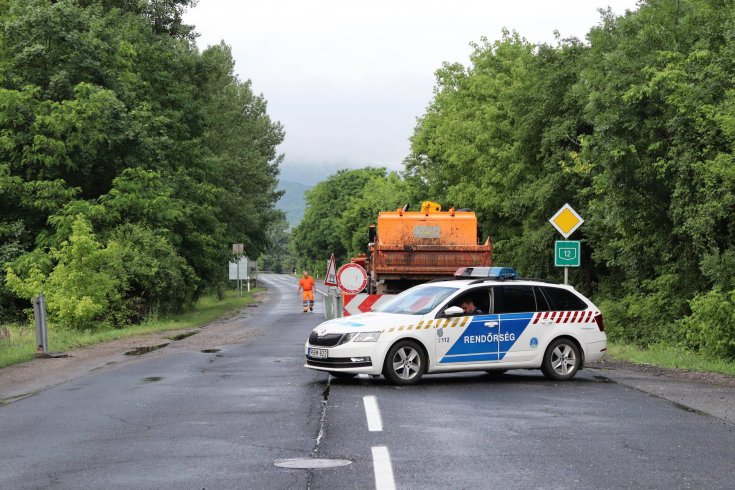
x=699, y=392
x=26, y=379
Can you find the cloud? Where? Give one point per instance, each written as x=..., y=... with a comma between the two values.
x=348, y=79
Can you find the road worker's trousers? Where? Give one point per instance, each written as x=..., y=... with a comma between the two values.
x=308, y=297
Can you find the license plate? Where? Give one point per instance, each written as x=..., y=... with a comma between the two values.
x=317, y=353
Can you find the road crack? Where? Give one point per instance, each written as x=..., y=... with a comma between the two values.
x=322, y=419
x=320, y=434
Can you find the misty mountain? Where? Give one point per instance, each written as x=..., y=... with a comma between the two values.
x=292, y=203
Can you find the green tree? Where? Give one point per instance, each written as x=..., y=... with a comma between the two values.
x=109, y=111
x=318, y=234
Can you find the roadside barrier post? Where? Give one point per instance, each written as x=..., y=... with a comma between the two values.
x=39, y=313
x=332, y=304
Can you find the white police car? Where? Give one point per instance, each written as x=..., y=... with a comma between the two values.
x=516, y=324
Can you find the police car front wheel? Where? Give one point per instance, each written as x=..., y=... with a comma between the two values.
x=405, y=363
x=561, y=360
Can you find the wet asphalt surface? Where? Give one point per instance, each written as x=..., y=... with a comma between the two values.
x=222, y=419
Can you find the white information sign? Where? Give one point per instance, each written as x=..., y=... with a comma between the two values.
x=240, y=272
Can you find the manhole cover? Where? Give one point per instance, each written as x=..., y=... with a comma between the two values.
x=311, y=463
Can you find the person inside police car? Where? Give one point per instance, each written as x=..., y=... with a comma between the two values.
x=468, y=305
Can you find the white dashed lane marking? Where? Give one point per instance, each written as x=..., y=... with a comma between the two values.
x=374, y=421
x=383, y=469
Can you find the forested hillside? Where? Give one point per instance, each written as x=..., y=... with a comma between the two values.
x=130, y=161
x=634, y=127
x=292, y=203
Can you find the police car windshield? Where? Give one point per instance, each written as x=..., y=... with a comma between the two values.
x=417, y=301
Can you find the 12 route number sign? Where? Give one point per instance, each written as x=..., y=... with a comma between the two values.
x=567, y=253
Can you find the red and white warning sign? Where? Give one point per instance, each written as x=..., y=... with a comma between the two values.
x=331, y=278
x=354, y=304
x=351, y=278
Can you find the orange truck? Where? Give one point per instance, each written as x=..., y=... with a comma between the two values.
x=411, y=247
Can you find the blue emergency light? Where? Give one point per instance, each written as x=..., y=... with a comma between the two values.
x=486, y=273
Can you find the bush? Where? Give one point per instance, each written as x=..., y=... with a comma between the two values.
x=156, y=277
x=83, y=289
x=646, y=316
x=711, y=326
x=89, y=285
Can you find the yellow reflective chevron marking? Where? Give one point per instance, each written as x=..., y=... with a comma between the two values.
x=418, y=327
x=455, y=322
x=391, y=329
x=400, y=328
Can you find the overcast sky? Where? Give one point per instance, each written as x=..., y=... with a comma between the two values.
x=347, y=79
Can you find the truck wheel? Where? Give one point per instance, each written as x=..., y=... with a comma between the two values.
x=561, y=360
x=405, y=363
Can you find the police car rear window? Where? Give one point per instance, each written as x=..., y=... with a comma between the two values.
x=513, y=299
x=563, y=300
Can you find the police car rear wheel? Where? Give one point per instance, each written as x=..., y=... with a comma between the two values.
x=561, y=360
x=405, y=363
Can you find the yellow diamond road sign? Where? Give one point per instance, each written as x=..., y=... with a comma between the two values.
x=566, y=220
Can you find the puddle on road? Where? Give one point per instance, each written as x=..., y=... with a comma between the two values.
x=210, y=351
x=152, y=379
x=182, y=336
x=311, y=463
x=145, y=350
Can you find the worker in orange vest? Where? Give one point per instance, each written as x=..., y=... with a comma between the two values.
x=307, y=284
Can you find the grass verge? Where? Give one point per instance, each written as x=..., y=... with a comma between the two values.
x=667, y=356
x=17, y=342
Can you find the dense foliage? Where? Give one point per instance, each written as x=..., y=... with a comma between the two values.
x=635, y=128
x=129, y=160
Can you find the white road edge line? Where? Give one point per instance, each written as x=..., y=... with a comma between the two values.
x=372, y=412
x=383, y=469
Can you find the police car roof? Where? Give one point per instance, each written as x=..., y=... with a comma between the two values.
x=464, y=282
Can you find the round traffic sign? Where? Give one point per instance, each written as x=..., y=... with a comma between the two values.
x=351, y=278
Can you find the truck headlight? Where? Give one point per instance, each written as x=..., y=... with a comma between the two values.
x=366, y=337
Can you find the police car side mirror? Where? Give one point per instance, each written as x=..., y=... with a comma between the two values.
x=453, y=311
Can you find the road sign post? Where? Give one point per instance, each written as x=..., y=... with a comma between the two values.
x=239, y=270
x=567, y=253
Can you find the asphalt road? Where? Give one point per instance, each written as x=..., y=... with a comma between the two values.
x=222, y=420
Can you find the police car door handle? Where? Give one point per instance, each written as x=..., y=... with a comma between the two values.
x=491, y=324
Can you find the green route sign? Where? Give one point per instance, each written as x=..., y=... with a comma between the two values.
x=567, y=253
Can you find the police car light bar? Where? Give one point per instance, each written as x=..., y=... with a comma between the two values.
x=486, y=273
